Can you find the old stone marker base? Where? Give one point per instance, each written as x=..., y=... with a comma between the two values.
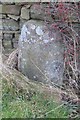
x=40, y=53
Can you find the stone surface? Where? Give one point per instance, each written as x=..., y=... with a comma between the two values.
x=10, y=9
x=27, y=5
x=7, y=44
x=38, y=12
x=1, y=26
x=1, y=35
x=2, y=16
x=40, y=53
x=25, y=13
x=17, y=35
x=9, y=24
x=22, y=21
x=14, y=17
x=7, y=36
x=15, y=43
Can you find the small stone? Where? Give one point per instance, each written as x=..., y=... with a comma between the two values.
x=25, y=13
x=38, y=12
x=2, y=16
x=7, y=43
x=27, y=6
x=1, y=26
x=7, y=36
x=1, y=35
x=17, y=35
x=15, y=43
x=9, y=24
x=10, y=9
x=14, y=17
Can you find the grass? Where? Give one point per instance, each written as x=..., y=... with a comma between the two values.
x=21, y=104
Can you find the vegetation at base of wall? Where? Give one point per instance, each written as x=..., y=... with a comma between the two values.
x=16, y=104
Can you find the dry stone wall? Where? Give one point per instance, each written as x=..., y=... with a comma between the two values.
x=14, y=15
x=12, y=18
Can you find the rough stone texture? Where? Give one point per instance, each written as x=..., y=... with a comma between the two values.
x=21, y=3
x=27, y=5
x=7, y=2
x=17, y=35
x=40, y=53
x=7, y=43
x=22, y=21
x=15, y=43
x=7, y=36
x=10, y=9
x=38, y=12
x=1, y=26
x=1, y=35
x=2, y=16
x=9, y=24
x=14, y=17
x=25, y=13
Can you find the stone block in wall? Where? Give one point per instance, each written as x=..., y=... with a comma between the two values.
x=1, y=35
x=20, y=3
x=7, y=43
x=24, y=3
x=2, y=16
x=14, y=17
x=15, y=43
x=27, y=5
x=7, y=2
x=17, y=35
x=25, y=13
x=1, y=26
x=9, y=24
x=7, y=36
x=38, y=12
x=10, y=9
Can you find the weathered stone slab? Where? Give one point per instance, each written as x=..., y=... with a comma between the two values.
x=40, y=53
x=10, y=9
x=9, y=24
